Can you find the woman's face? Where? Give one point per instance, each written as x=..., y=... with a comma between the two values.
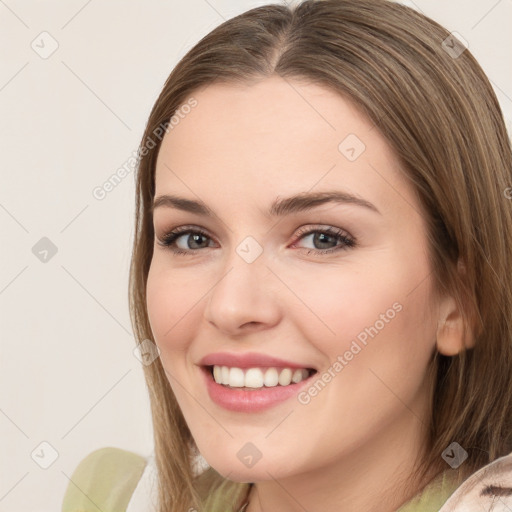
x=259, y=281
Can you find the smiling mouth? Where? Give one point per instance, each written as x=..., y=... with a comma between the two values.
x=258, y=377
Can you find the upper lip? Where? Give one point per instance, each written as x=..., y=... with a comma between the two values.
x=247, y=360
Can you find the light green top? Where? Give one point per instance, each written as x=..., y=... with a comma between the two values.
x=105, y=480
x=433, y=496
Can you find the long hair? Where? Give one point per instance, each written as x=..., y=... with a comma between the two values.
x=432, y=102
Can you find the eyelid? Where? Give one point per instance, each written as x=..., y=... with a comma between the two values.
x=301, y=230
x=308, y=228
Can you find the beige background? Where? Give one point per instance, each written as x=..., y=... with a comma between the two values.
x=69, y=120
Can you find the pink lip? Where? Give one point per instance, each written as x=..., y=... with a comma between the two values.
x=243, y=400
x=247, y=360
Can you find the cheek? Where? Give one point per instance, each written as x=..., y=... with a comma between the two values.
x=384, y=337
x=170, y=303
x=378, y=318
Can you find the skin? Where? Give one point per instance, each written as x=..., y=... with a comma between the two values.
x=240, y=148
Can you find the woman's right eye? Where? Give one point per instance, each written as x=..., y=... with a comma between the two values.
x=186, y=237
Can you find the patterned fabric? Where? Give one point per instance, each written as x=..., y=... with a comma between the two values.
x=115, y=480
x=489, y=489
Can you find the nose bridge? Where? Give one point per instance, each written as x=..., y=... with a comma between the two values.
x=245, y=267
x=242, y=294
x=249, y=250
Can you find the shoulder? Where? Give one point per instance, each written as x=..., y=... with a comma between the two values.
x=489, y=488
x=105, y=479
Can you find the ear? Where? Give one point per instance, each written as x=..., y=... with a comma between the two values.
x=451, y=338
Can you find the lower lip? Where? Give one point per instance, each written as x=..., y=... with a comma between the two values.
x=241, y=400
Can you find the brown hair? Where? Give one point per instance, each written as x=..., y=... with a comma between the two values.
x=439, y=113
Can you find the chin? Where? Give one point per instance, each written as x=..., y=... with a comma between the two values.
x=235, y=470
x=242, y=476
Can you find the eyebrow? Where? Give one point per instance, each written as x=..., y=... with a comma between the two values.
x=280, y=207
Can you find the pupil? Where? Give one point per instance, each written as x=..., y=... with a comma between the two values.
x=321, y=236
x=195, y=237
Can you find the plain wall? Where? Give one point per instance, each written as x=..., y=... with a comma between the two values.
x=68, y=375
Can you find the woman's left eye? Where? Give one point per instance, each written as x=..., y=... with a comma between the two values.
x=186, y=240
x=322, y=236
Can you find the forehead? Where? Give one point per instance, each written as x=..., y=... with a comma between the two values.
x=277, y=137
x=273, y=114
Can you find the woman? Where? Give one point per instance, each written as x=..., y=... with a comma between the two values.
x=322, y=260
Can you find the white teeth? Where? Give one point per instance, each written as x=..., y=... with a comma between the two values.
x=253, y=378
x=236, y=378
x=257, y=377
x=217, y=374
x=297, y=376
x=271, y=378
x=285, y=377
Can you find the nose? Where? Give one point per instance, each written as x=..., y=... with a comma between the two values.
x=244, y=298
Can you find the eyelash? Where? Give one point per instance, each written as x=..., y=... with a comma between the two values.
x=349, y=242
